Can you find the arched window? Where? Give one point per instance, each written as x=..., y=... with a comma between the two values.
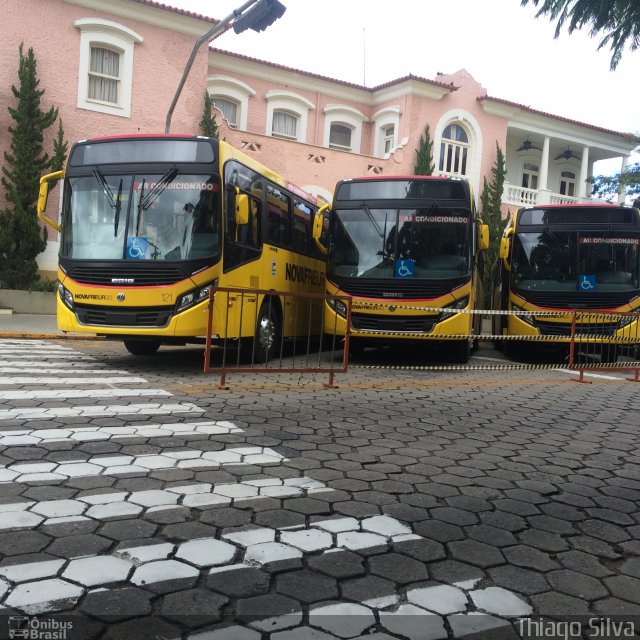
x=568, y=183
x=231, y=97
x=343, y=127
x=287, y=115
x=387, y=126
x=454, y=151
x=530, y=176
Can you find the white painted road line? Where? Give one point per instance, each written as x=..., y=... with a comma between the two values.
x=149, y=409
x=590, y=375
x=73, y=435
x=15, y=380
x=77, y=369
x=64, y=394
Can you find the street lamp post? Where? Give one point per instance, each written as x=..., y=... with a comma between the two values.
x=258, y=18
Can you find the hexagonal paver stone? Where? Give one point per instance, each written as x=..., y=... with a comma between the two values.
x=98, y=570
x=78, y=469
x=238, y=580
x=193, y=607
x=46, y=595
x=267, y=552
x=270, y=612
x=24, y=572
x=357, y=540
x=113, y=510
x=236, y=490
x=339, y=564
x=59, y=508
x=19, y=520
x=500, y=601
x=206, y=552
x=301, y=633
x=385, y=526
x=308, y=540
x=337, y=525
x=156, y=575
x=479, y=625
x=254, y=535
x=442, y=599
x=146, y=553
x=234, y=632
x=476, y=553
x=121, y=603
x=401, y=569
x=343, y=619
x=307, y=586
x=412, y=622
x=153, y=498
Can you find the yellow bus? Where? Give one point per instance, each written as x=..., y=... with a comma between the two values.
x=556, y=258
x=406, y=249
x=150, y=223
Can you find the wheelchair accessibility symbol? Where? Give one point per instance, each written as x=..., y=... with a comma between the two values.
x=405, y=268
x=137, y=248
x=586, y=282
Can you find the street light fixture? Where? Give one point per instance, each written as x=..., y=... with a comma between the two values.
x=258, y=18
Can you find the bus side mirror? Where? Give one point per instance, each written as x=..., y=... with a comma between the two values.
x=483, y=240
x=318, y=226
x=43, y=194
x=505, y=245
x=242, y=209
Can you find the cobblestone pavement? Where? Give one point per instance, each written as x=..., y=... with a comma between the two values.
x=139, y=501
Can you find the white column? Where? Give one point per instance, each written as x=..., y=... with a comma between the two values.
x=544, y=196
x=623, y=167
x=584, y=173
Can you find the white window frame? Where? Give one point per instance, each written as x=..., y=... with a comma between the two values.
x=347, y=117
x=571, y=184
x=474, y=135
x=216, y=104
x=460, y=152
x=383, y=119
x=234, y=90
x=532, y=173
x=292, y=103
x=105, y=34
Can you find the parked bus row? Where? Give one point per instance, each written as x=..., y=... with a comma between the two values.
x=150, y=224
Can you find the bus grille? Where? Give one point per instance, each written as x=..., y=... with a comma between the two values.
x=564, y=329
x=131, y=317
x=577, y=299
x=141, y=275
x=364, y=322
x=396, y=288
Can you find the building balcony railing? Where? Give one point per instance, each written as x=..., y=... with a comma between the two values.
x=523, y=197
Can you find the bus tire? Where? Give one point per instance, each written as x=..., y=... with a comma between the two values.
x=459, y=351
x=142, y=347
x=268, y=332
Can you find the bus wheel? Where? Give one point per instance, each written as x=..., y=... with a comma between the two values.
x=268, y=332
x=459, y=351
x=142, y=347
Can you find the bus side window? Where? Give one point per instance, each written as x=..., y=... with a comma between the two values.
x=302, y=221
x=278, y=224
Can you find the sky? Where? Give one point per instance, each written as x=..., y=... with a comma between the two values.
x=513, y=55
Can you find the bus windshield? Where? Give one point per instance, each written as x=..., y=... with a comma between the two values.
x=572, y=261
x=368, y=243
x=154, y=216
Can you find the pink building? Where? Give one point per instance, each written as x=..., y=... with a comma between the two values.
x=113, y=66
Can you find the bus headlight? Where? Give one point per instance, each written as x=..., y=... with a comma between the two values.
x=458, y=304
x=525, y=317
x=66, y=296
x=338, y=306
x=194, y=297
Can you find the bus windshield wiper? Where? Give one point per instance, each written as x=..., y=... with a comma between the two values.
x=374, y=223
x=158, y=188
x=140, y=207
x=116, y=217
x=106, y=189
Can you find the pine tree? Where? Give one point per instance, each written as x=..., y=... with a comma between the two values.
x=21, y=237
x=60, y=149
x=424, y=155
x=491, y=213
x=208, y=124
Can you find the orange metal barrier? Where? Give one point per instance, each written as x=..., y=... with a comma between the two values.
x=263, y=331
